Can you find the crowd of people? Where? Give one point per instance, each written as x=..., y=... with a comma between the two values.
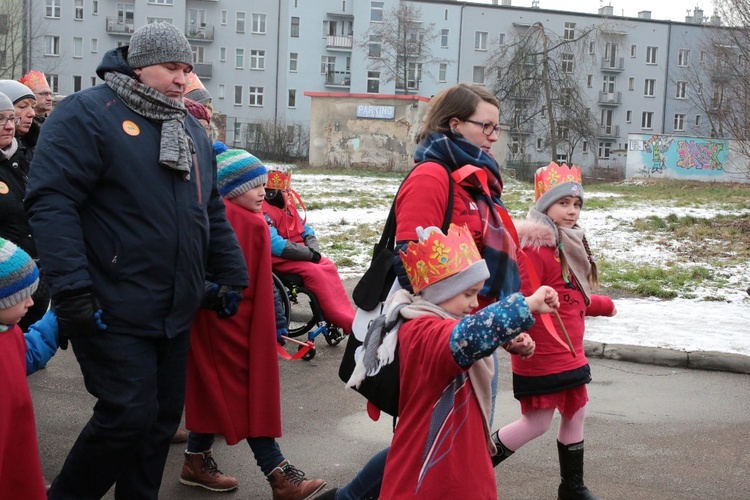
x=119, y=201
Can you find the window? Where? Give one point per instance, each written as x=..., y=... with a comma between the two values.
x=539, y=143
x=444, y=39
x=633, y=50
x=682, y=57
x=222, y=54
x=162, y=2
x=52, y=8
x=78, y=10
x=628, y=116
x=567, y=63
x=647, y=119
x=222, y=91
x=697, y=120
x=292, y=98
x=259, y=23
x=54, y=83
x=651, y=55
x=373, y=81
x=293, y=62
x=478, y=75
x=592, y=48
x=198, y=54
x=562, y=131
x=94, y=7
x=51, y=45
x=238, y=95
x=413, y=75
x=585, y=147
x=605, y=149
x=77, y=47
x=608, y=85
x=501, y=39
x=480, y=40
x=327, y=65
x=703, y=55
x=648, y=87
x=240, y=23
x=93, y=81
x=150, y=20
x=679, y=122
x=94, y=45
x=257, y=59
x=443, y=72
x=224, y=17
x=700, y=89
x=631, y=83
x=239, y=58
x=570, y=31
x=77, y=82
x=515, y=145
x=590, y=81
x=376, y=11
x=294, y=30
x=373, y=48
x=681, y=90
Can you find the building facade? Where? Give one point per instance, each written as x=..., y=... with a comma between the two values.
x=258, y=59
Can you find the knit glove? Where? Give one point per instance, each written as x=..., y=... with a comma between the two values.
x=224, y=299
x=279, y=333
x=315, y=257
x=78, y=315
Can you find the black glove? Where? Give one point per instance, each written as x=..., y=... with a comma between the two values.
x=78, y=315
x=224, y=299
x=316, y=257
x=209, y=295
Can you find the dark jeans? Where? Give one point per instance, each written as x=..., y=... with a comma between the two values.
x=265, y=449
x=139, y=384
x=366, y=484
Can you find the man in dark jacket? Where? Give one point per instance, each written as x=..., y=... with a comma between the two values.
x=123, y=202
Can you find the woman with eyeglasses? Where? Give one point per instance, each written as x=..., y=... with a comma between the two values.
x=15, y=159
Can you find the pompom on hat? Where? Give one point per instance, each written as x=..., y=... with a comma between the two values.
x=441, y=266
x=34, y=79
x=195, y=90
x=16, y=91
x=554, y=182
x=19, y=276
x=158, y=43
x=238, y=171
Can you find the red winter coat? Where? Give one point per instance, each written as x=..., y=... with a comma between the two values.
x=233, y=370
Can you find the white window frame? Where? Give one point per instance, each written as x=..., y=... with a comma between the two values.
x=224, y=17
x=477, y=75
x=255, y=96
x=294, y=27
x=54, y=82
x=375, y=46
x=683, y=57
x=222, y=91
x=681, y=90
x=628, y=116
x=222, y=54
x=94, y=7
x=373, y=77
x=443, y=73
x=52, y=9
x=631, y=83
x=291, y=100
x=376, y=12
x=78, y=10
x=52, y=45
x=444, y=37
x=293, y=62
x=649, y=87
x=161, y=2
x=94, y=44
x=240, y=20
x=569, y=31
x=241, y=89
x=258, y=59
x=647, y=120
x=679, y=122
x=258, y=23
x=77, y=83
x=480, y=40
x=239, y=58
x=77, y=47
x=567, y=63
x=634, y=51
x=652, y=55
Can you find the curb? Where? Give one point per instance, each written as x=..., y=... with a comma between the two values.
x=698, y=360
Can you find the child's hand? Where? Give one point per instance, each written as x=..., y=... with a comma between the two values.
x=523, y=345
x=544, y=300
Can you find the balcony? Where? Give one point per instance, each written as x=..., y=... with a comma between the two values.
x=608, y=132
x=204, y=71
x=202, y=33
x=338, y=79
x=613, y=66
x=610, y=99
x=339, y=42
x=119, y=26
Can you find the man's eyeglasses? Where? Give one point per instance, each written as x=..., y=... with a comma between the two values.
x=4, y=120
x=487, y=128
x=44, y=94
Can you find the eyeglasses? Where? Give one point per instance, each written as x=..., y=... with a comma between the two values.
x=44, y=94
x=4, y=120
x=487, y=128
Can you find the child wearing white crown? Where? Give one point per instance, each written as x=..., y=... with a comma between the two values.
x=446, y=367
x=21, y=354
x=553, y=378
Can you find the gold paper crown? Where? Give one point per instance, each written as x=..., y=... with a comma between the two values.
x=192, y=82
x=33, y=79
x=279, y=179
x=439, y=256
x=546, y=178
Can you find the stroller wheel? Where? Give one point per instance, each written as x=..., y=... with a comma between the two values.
x=310, y=354
x=335, y=335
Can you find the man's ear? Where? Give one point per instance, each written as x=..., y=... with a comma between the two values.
x=137, y=72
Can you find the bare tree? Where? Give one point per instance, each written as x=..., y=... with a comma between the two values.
x=18, y=33
x=399, y=47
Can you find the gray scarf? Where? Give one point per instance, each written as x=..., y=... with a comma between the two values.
x=175, y=149
x=10, y=149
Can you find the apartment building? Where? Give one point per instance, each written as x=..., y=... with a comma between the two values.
x=258, y=58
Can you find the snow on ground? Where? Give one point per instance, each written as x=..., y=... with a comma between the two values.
x=682, y=324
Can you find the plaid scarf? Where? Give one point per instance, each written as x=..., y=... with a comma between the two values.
x=498, y=249
x=175, y=146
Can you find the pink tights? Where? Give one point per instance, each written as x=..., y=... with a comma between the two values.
x=536, y=422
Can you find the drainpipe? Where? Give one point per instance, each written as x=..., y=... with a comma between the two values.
x=460, y=37
x=278, y=58
x=666, y=80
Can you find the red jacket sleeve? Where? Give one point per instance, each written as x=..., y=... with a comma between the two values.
x=601, y=305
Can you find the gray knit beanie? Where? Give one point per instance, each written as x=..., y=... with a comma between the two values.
x=5, y=103
x=158, y=43
x=19, y=276
x=16, y=90
x=557, y=193
x=199, y=95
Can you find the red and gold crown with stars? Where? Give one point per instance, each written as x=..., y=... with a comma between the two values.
x=546, y=178
x=279, y=179
x=33, y=79
x=439, y=256
x=192, y=82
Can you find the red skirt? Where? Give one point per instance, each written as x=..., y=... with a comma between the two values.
x=567, y=402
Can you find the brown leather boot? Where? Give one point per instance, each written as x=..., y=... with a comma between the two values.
x=200, y=469
x=289, y=483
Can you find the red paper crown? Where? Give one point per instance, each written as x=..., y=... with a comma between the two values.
x=33, y=79
x=192, y=82
x=439, y=256
x=553, y=174
x=279, y=179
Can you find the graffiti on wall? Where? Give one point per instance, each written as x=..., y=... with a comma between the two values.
x=680, y=155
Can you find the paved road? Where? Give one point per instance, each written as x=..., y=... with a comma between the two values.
x=652, y=432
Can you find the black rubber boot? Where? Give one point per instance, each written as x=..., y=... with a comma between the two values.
x=571, y=473
x=502, y=451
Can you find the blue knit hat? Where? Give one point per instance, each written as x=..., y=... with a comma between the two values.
x=238, y=171
x=19, y=276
